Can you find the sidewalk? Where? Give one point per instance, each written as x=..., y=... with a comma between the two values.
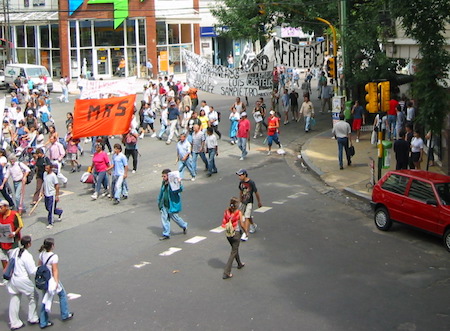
x=320, y=155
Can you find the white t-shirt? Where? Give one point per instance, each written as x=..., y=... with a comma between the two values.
x=416, y=144
x=43, y=256
x=50, y=180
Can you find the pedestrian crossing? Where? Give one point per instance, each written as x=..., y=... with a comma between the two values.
x=197, y=239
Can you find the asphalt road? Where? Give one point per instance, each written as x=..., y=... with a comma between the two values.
x=316, y=262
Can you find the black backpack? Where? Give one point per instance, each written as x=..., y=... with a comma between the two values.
x=43, y=275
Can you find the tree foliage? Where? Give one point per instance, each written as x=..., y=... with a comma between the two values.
x=425, y=21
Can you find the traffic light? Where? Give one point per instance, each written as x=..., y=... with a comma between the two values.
x=371, y=97
x=384, y=95
x=331, y=67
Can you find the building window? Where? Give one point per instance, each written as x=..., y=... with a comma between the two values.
x=161, y=33
x=131, y=32
x=85, y=34
x=30, y=37
x=20, y=32
x=106, y=35
x=186, y=33
x=142, y=40
x=73, y=33
x=55, y=35
x=174, y=33
x=44, y=35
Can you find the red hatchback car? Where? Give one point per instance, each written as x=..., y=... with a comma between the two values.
x=414, y=197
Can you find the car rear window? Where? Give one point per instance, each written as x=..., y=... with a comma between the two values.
x=421, y=191
x=395, y=183
x=443, y=190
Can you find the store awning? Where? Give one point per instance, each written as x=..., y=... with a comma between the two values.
x=31, y=17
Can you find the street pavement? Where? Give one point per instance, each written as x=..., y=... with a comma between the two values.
x=316, y=263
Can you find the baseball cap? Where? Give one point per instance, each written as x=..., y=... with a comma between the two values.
x=244, y=114
x=30, y=112
x=241, y=172
x=272, y=112
x=4, y=203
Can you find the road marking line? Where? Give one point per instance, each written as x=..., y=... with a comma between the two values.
x=296, y=195
x=195, y=240
x=279, y=202
x=262, y=209
x=73, y=296
x=143, y=263
x=170, y=251
x=64, y=193
x=219, y=229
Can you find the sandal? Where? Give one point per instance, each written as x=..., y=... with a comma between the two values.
x=225, y=276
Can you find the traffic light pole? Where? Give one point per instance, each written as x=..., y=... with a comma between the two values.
x=333, y=30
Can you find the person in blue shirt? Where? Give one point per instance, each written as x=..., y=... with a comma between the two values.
x=119, y=185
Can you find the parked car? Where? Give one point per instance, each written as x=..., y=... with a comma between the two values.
x=414, y=197
x=29, y=71
x=2, y=79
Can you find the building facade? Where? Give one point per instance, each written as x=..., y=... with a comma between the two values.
x=73, y=37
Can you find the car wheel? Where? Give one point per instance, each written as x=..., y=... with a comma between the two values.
x=447, y=240
x=382, y=219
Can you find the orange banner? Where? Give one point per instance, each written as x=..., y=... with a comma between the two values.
x=103, y=117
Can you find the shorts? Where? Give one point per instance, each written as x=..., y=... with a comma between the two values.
x=356, y=124
x=72, y=156
x=415, y=156
x=246, y=209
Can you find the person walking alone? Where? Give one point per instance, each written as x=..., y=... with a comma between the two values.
x=234, y=215
x=169, y=204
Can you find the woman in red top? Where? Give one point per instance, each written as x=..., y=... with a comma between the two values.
x=236, y=217
x=100, y=163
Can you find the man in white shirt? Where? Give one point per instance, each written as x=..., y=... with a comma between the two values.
x=213, y=118
x=205, y=107
x=56, y=154
x=51, y=195
x=19, y=172
x=343, y=134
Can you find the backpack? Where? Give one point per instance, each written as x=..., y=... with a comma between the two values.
x=30, y=174
x=43, y=275
x=130, y=139
x=9, y=271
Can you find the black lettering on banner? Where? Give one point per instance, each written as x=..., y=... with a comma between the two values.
x=123, y=109
x=93, y=109
x=292, y=55
x=108, y=108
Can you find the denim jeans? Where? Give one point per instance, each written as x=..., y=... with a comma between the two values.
x=211, y=162
x=101, y=178
x=307, y=123
x=162, y=130
x=165, y=221
x=343, y=144
x=194, y=160
x=186, y=164
x=392, y=120
x=242, y=144
x=119, y=187
x=18, y=192
x=63, y=307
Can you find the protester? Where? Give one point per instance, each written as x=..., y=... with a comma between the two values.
x=213, y=151
x=51, y=195
x=243, y=134
x=119, y=185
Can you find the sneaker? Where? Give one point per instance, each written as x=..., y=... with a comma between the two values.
x=254, y=137
x=64, y=185
x=60, y=217
x=50, y=226
x=252, y=228
x=153, y=135
x=357, y=140
x=141, y=136
x=94, y=196
x=78, y=167
x=125, y=197
x=104, y=194
x=244, y=237
x=72, y=170
x=241, y=159
x=168, y=142
x=193, y=179
x=133, y=172
x=116, y=202
x=268, y=153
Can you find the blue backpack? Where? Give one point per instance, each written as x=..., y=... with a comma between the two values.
x=43, y=275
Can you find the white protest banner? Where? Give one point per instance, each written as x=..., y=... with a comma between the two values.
x=283, y=53
x=227, y=81
x=99, y=89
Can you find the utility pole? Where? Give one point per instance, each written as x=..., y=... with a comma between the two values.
x=345, y=58
x=6, y=30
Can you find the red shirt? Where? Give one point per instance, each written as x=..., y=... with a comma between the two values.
x=273, y=125
x=393, y=107
x=15, y=221
x=243, y=128
x=234, y=218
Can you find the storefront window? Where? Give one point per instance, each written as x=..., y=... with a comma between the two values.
x=56, y=63
x=186, y=35
x=20, y=33
x=143, y=60
x=106, y=35
x=21, y=57
x=141, y=23
x=30, y=37
x=174, y=33
x=45, y=58
x=85, y=34
x=74, y=66
x=132, y=62
x=131, y=32
x=31, y=56
x=44, y=34
x=161, y=33
x=174, y=59
x=73, y=34
x=86, y=60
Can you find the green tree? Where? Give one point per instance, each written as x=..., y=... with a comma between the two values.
x=425, y=21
